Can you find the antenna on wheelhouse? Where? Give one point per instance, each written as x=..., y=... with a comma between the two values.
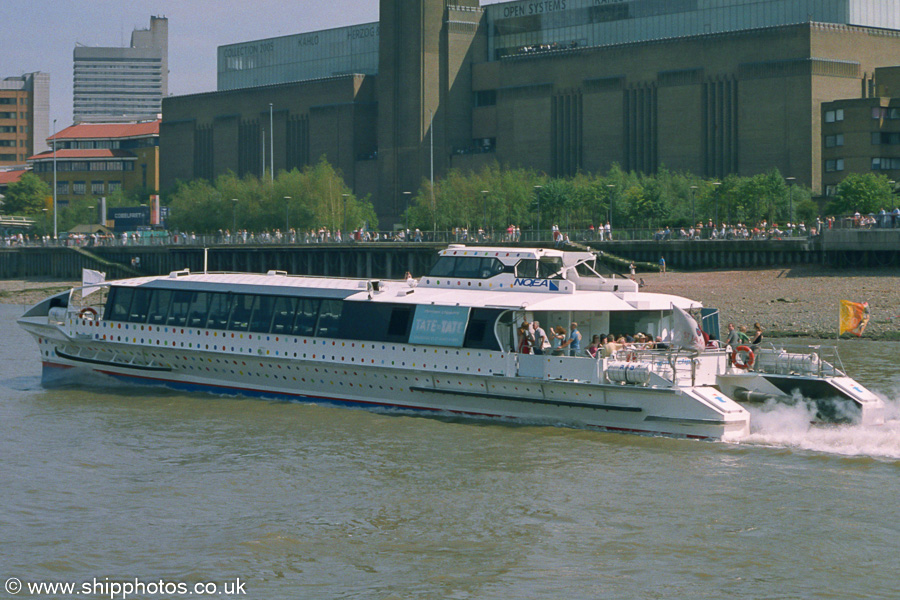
x=205, y=259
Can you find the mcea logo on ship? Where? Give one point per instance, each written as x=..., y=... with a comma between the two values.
x=536, y=283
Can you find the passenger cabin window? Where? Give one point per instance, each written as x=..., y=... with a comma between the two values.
x=219, y=309
x=178, y=311
x=139, y=305
x=307, y=314
x=261, y=321
x=467, y=267
x=159, y=306
x=283, y=315
x=586, y=269
x=199, y=311
x=329, y=318
x=241, y=312
x=286, y=315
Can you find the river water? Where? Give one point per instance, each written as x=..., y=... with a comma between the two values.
x=301, y=501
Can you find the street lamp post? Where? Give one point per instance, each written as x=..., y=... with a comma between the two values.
x=611, y=187
x=716, y=185
x=46, y=221
x=537, y=191
x=484, y=194
x=693, y=214
x=344, y=215
x=234, y=202
x=271, y=146
x=54, y=180
x=790, y=181
x=287, y=214
x=406, y=196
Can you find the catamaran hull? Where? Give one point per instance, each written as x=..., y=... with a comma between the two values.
x=686, y=412
x=834, y=399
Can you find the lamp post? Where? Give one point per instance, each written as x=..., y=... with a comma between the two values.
x=484, y=194
x=46, y=221
x=716, y=185
x=611, y=187
x=693, y=214
x=271, y=146
x=537, y=191
x=54, y=180
x=344, y=214
x=93, y=218
x=406, y=196
x=287, y=214
x=790, y=181
x=234, y=202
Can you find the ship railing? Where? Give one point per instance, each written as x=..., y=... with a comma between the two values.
x=797, y=359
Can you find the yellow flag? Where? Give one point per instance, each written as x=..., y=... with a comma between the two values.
x=854, y=317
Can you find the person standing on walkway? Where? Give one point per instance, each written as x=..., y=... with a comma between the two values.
x=662, y=265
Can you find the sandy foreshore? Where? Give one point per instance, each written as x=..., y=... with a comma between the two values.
x=795, y=301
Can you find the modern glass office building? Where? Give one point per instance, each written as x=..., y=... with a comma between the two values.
x=298, y=57
x=117, y=85
x=713, y=87
x=531, y=25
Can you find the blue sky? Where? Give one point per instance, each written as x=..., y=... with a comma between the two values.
x=43, y=34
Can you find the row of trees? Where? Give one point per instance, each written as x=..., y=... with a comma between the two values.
x=305, y=199
x=493, y=198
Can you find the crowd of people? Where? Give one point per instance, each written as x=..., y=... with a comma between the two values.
x=738, y=231
x=559, y=341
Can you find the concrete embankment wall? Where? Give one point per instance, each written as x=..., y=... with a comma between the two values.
x=393, y=260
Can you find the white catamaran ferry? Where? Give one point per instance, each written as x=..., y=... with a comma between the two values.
x=444, y=344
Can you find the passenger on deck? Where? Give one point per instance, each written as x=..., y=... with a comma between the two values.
x=733, y=338
x=594, y=347
x=541, y=341
x=758, y=336
x=557, y=340
x=573, y=344
x=525, y=338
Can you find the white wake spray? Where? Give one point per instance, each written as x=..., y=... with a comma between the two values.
x=781, y=425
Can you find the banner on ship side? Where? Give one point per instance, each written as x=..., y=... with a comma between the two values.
x=439, y=325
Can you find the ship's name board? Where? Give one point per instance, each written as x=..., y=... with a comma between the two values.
x=536, y=283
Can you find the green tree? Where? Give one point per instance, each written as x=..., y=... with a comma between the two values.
x=26, y=196
x=864, y=193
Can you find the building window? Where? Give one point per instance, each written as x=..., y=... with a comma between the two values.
x=885, y=138
x=486, y=98
x=830, y=190
x=885, y=164
x=62, y=187
x=8, y=157
x=115, y=186
x=832, y=116
x=97, y=188
x=832, y=165
x=79, y=188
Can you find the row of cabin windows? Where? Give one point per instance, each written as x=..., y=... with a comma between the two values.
x=472, y=267
x=222, y=310
x=283, y=315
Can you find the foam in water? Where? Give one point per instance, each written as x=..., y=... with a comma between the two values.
x=791, y=426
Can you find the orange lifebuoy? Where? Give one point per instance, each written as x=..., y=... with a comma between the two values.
x=84, y=312
x=750, y=357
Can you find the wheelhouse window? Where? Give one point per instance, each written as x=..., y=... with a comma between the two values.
x=329, y=318
x=199, y=311
x=467, y=267
x=159, y=306
x=307, y=315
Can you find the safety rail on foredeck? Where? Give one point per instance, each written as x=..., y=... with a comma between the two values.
x=788, y=359
x=627, y=367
